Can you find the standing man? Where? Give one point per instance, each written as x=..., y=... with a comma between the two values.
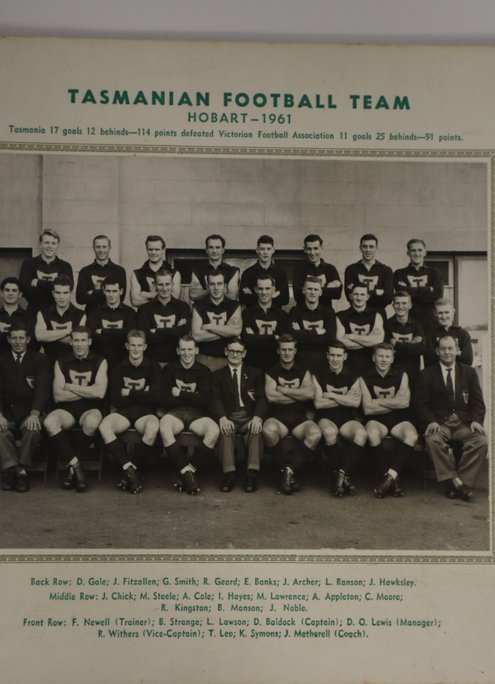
x=143, y=279
x=265, y=249
x=24, y=396
x=111, y=321
x=38, y=273
x=262, y=325
x=215, y=249
x=386, y=400
x=135, y=386
x=184, y=405
x=89, y=290
x=378, y=278
x=164, y=320
x=12, y=313
x=406, y=336
x=239, y=406
x=215, y=320
x=359, y=329
x=289, y=391
x=444, y=314
x=55, y=321
x=79, y=384
x=423, y=283
x=315, y=266
x=313, y=325
x=449, y=405
x=337, y=398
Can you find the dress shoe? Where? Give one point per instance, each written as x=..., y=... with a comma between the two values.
x=251, y=484
x=8, y=479
x=464, y=493
x=228, y=482
x=452, y=491
x=22, y=484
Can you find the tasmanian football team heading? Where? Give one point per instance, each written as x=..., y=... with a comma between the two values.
x=227, y=362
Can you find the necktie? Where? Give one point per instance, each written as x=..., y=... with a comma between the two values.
x=450, y=385
x=235, y=377
x=18, y=358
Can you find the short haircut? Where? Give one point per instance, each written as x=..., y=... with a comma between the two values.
x=447, y=336
x=155, y=238
x=52, y=233
x=235, y=340
x=10, y=280
x=215, y=273
x=215, y=236
x=265, y=240
x=412, y=241
x=443, y=301
x=286, y=339
x=337, y=345
x=356, y=285
x=102, y=237
x=265, y=276
x=187, y=338
x=312, y=279
x=18, y=326
x=163, y=271
x=81, y=329
x=136, y=333
x=312, y=237
x=368, y=236
x=111, y=280
x=62, y=280
x=386, y=346
x=401, y=293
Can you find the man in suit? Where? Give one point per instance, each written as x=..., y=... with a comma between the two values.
x=24, y=395
x=449, y=404
x=239, y=405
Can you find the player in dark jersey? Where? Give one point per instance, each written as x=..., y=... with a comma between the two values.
x=55, y=322
x=164, y=320
x=184, y=403
x=38, y=273
x=406, y=336
x=423, y=283
x=265, y=249
x=386, y=401
x=337, y=398
x=12, y=313
x=315, y=266
x=359, y=329
x=215, y=249
x=89, y=290
x=313, y=326
x=215, y=320
x=444, y=314
x=378, y=278
x=143, y=279
x=289, y=391
x=135, y=386
x=262, y=324
x=79, y=385
x=110, y=322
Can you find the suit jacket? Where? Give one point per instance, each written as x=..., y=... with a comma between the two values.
x=224, y=392
x=433, y=404
x=24, y=387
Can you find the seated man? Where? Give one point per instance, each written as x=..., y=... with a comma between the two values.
x=164, y=320
x=444, y=313
x=143, y=279
x=215, y=249
x=238, y=405
x=263, y=323
x=135, y=386
x=184, y=403
x=55, y=322
x=337, y=396
x=89, y=290
x=289, y=391
x=449, y=405
x=386, y=400
x=110, y=322
x=24, y=396
x=79, y=385
x=12, y=313
x=215, y=320
x=265, y=266
x=406, y=336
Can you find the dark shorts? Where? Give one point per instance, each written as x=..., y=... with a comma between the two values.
x=338, y=415
x=187, y=415
x=133, y=413
x=77, y=408
x=289, y=417
x=390, y=420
